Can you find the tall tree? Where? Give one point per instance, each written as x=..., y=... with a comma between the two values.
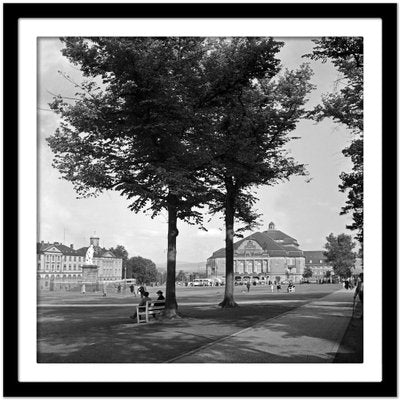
x=339, y=253
x=345, y=106
x=142, y=269
x=133, y=132
x=253, y=107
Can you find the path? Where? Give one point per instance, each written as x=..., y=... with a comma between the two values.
x=307, y=334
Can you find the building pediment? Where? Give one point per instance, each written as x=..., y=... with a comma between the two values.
x=107, y=254
x=249, y=245
x=52, y=249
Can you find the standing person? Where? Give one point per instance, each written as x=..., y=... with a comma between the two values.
x=248, y=285
x=346, y=284
x=272, y=288
x=104, y=290
x=360, y=291
x=145, y=299
x=83, y=289
x=278, y=287
x=119, y=288
x=132, y=289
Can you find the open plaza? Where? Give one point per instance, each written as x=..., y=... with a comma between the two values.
x=315, y=324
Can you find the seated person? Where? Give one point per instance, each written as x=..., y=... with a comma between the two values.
x=160, y=301
x=145, y=299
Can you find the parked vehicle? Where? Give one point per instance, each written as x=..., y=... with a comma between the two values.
x=202, y=282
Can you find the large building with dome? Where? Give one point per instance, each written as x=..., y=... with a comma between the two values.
x=271, y=255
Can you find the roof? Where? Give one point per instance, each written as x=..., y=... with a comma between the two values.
x=279, y=235
x=66, y=250
x=268, y=244
x=98, y=251
x=315, y=256
x=42, y=247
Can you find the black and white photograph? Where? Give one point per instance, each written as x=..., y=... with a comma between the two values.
x=203, y=199
x=211, y=200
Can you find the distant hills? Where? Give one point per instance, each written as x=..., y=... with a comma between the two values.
x=185, y=266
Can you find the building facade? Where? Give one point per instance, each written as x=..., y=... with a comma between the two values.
x=321, y=270
x=58, y=264
x=109, y=266
x=267, y=256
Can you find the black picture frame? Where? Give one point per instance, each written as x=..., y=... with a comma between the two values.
x=12, y=386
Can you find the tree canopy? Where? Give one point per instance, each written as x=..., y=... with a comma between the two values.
x=345, y=106
x=253, y=107
x=142, y=269
x=339, y=253
x=134, y=132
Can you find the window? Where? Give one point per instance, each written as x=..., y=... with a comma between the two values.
x=58, y=258
x=257, y=268
x=47, y=257
x=58, y=267
x=52, y=258
x=69, y=267
x=74, y=267
x=38, y=266
x=52, y=267
x=47, y=266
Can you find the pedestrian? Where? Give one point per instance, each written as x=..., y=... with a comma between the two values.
x=248, y=285
x=145, y=299
x=119, y=288
x=104, y=290
x=278, y=287
x=346, y=284
x=272, y=288
x=83, y=289
x=360, y=291
x=132, y=289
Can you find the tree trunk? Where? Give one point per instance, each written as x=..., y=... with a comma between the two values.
x=171, y=305
x=228, y=301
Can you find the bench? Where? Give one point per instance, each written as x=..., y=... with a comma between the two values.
x=149, y=309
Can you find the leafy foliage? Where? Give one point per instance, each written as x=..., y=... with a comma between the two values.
x=134, y=132
x=142, y=269
x=181, y=276
x=307, y=273
x=253, y=107
x=339, y=253
x=345, y=106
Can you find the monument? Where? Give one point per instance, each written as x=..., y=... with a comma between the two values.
x=89, y=270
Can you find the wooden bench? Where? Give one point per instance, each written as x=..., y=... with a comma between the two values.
x=149, y=309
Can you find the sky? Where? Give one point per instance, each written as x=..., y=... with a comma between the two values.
x=306, y=210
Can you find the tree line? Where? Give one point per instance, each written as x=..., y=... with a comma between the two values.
x=184, y=125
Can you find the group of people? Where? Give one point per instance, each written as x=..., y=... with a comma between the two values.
x=160, y=301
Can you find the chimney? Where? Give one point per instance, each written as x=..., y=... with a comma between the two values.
x=94, y=241
x=71, y=246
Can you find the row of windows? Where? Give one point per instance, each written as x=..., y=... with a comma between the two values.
x=57, y=267
x=320, y=261
x=64, y=276
x=65, y=258
x=241, y=267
